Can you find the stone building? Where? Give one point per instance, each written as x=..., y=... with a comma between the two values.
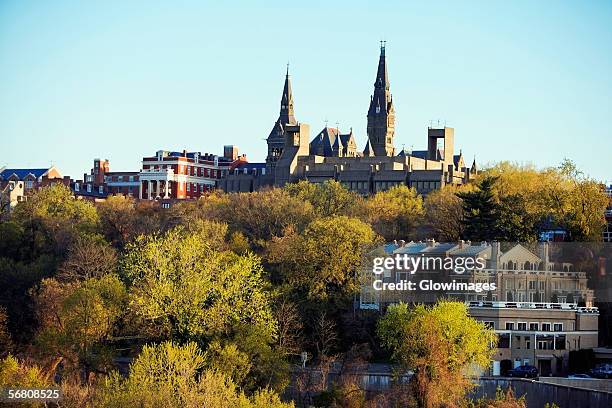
x=519, y=274
x=538, y=334
x=541, y=308
x=333, y=155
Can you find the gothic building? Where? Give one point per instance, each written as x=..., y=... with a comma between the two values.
x=332, y=155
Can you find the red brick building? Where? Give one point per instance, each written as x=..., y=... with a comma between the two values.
x=101, y=182
x=184, y=175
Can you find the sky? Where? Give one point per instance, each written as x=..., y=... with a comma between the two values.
x=523, y=81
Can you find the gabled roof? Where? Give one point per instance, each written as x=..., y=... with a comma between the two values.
x=519, y=253
x=368, y=151
x=325, y=142
x=22, y=173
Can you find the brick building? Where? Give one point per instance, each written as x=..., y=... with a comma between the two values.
x=101, y=182
x=184, y=175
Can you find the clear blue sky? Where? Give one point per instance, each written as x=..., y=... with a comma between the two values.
x=526, y=81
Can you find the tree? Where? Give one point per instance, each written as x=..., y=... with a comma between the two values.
x=481, y=212
x=264, y=214
x=328, y=199
x=180, y=283
x=76, y=318
x=515, y=222
x=88, y=257
x=52, y=219
x=168, y=375
x=395, y=213
x=322, y=261
x=444, y=213
x=441, y=344
x=6, y=342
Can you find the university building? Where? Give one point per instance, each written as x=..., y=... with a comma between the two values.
x=541, y=308
x=519, y=274
x=183, y=175
x=538, y=334
x=333, y=155
x=102, y=182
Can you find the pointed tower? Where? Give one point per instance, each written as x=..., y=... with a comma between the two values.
x=381, y=114
x=286, y=117
x=286, y=110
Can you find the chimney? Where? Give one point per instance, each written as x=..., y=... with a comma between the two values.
x=461, y=244
x=402, y=242
x=544, y=253
x=495, y=254
x=431, y=243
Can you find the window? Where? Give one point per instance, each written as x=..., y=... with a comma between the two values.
x=29, y=184
x=532, y=285
x=89, y=188
x=76, y=186
x=534, y=326
x=522, y=326
x=188, y=186
x=546, y=326
x=165, y=205
x=542, y=285
x=509, y=325
x=527, y=342
x=489, y=324
x=558, y=327
x=101, y=189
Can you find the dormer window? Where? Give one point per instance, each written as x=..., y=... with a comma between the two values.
x=378, y=109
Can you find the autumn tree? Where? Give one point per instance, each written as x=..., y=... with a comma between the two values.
x=322, y=261
x=394, y=213
x=77, y=318
x=441, y=344
x=328, y=199
x=444, y=213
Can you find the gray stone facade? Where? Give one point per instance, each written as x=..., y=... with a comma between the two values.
x=331, y=155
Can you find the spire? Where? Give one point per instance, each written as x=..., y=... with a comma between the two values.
x=474, y=168
x=381, y=74
x=381, y=113
x=286, y=111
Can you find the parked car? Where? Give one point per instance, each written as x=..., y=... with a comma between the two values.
x=602, y=371
x=578, y=376
x=524, y=371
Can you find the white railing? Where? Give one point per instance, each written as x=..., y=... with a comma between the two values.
x=531, y=305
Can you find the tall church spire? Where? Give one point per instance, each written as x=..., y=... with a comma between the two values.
x=286, y=110
x=381, y=114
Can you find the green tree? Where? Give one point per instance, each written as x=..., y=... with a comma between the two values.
x=328, y=199
x=396, y=212
x=185, y=286
x=52, y=219
x=481, y=212
x=77, y=318
x=264, y=214
x=168, y=375
x=441, y=344
x=322, y=261
x=444, y=213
